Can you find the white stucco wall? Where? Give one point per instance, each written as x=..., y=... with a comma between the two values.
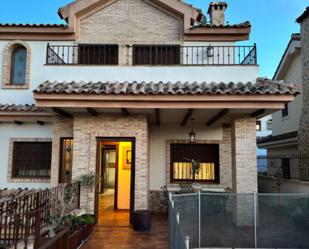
x=267, y=185
x=290, y=123
x=40, y=73
x=27, y=130
x=157, y=143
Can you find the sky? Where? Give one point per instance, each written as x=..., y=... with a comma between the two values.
x=273, y=21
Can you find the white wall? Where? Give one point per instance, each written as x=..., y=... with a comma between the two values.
x=290, y=123
x=27, y=130
x=41, y=73
x=267, y=185
x=158, y=138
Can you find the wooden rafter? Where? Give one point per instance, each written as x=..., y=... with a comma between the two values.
x=220, y=115
x=258, y=113
x=18, y=122
x=125, y=112
x=92, y=111
x=187, y=117
x=158, y=118
x=61, y=112
x=40, y=122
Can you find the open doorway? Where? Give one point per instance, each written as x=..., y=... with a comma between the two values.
x=114, y=197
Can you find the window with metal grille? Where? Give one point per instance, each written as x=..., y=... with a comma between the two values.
x=206, y=157
x=31, y=159
x=156, y=55
x=97, y=54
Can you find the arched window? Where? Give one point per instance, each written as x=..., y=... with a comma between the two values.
x=18, y=66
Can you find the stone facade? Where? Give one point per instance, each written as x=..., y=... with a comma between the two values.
x=62, y=128
x=88, y=129
x=6, y=65
x=157, y=202
x=10, y=160
x=303, y=132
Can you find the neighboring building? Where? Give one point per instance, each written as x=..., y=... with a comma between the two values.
x=114, y=91
x=285, y=123
x=287, y=148
x=263, y=129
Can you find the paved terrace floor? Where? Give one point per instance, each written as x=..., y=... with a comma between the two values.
x=126, y=238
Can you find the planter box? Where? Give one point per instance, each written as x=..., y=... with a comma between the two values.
x=76, y=238
x=87, y=231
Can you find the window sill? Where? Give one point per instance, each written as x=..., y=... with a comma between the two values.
x=11, y=86
x=29, y=180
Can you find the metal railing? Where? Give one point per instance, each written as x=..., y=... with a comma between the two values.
x=96, y=54
x=291, y=166
x=230, y=220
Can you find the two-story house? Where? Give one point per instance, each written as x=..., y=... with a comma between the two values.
x=135, y=91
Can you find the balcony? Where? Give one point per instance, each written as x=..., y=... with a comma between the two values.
x=150, y=55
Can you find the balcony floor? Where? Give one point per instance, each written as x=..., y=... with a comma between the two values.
x=127, y=238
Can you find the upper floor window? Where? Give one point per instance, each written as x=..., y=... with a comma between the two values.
x=93, y=54
x=18, y=66
x=156, y=54
x=285, y=111
x=269, y=124
x=258, y=125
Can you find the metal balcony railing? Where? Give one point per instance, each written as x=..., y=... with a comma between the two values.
x=111, y=54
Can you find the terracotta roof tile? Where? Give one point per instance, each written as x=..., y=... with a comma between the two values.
x=262, y=86
x=246, y=24
x=27, y=25
x=19, y=108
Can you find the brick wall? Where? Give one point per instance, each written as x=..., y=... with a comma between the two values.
x=129, y=21
x=62, y=127
x=86, y=131
x=244, y=167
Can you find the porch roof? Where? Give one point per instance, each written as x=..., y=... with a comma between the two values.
x=20, y=113
x=19, y=108
x=262, y=86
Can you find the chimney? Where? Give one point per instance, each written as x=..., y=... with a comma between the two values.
x=216, y=12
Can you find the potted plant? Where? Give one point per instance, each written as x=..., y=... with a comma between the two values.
x=88, y=181
x=89, y=222
x=75, y=223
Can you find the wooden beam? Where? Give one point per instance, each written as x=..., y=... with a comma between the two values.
x=125, y=112
x=92, y=111
x=257, y=113
x=217, y=117
x=61, y=112
x=187, y=117
x=18, y=122
x=158, y=118
x=40, y=122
